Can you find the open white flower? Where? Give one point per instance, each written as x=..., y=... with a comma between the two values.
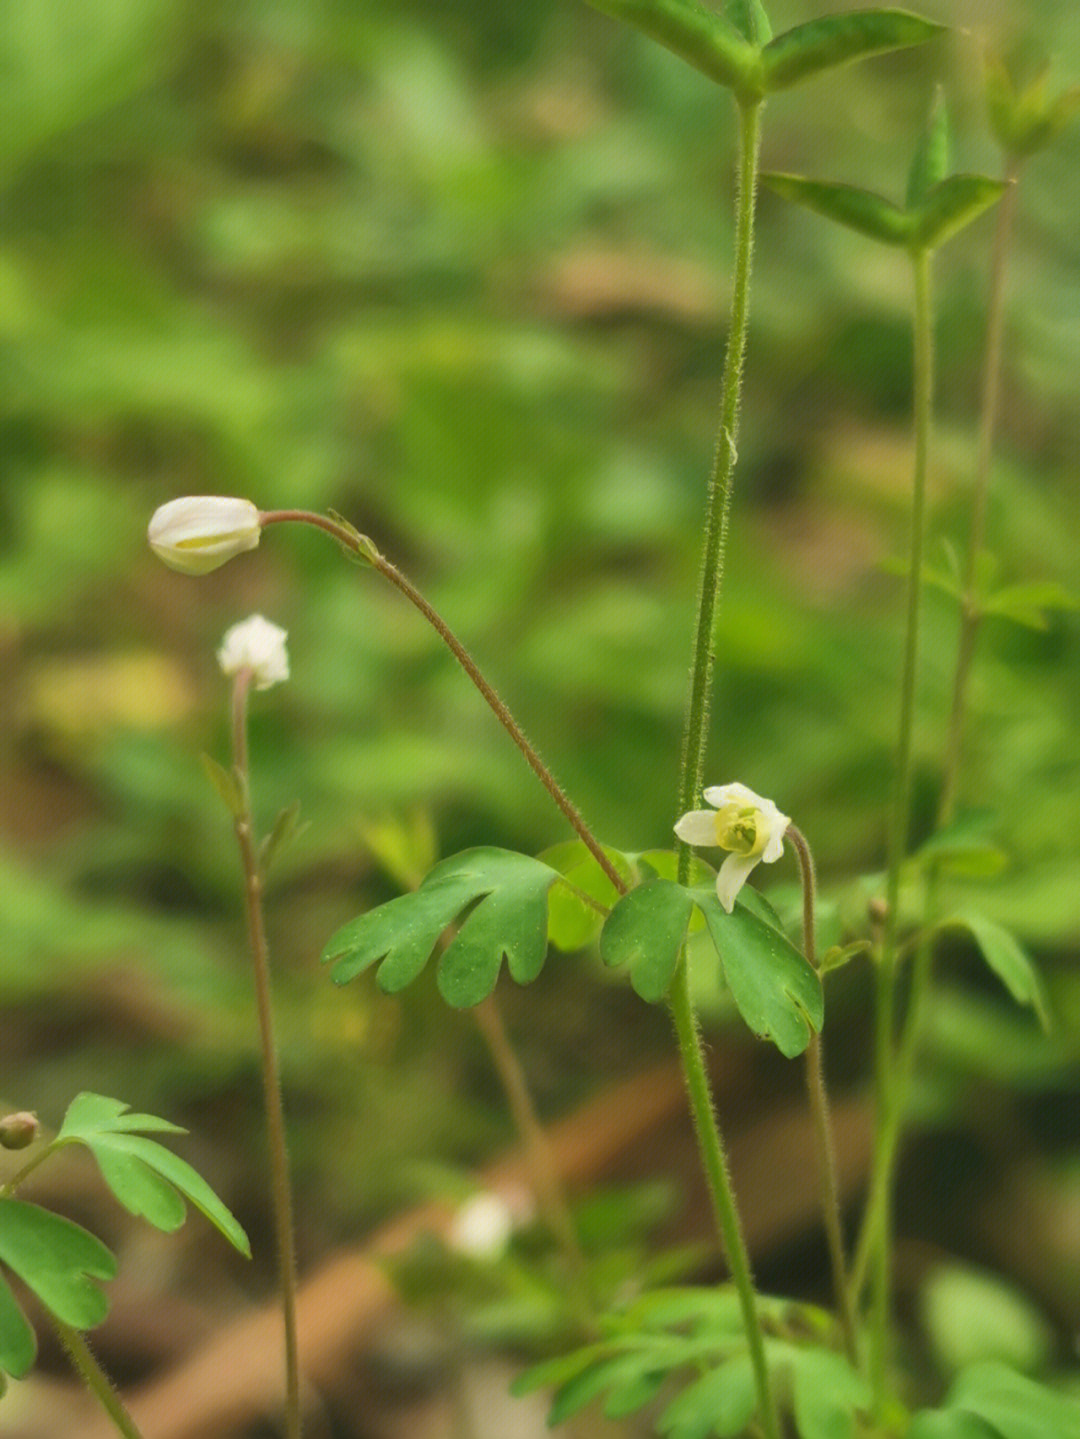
x=256, y=645
x=751, y=828
x=198, y=533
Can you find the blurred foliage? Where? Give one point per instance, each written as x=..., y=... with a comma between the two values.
x=459, y=271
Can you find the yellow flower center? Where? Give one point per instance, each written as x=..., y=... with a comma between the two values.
x=739, y=828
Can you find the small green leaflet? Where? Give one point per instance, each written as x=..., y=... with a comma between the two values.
x=777, y=993
x=1006, y=957
x=819, y=45
x=59, y=1261
x=705, y=40
x=149, y=1180
x=991, y=1401
x=930, y=164
x=507, y=898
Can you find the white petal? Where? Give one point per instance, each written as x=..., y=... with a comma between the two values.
x=732, y=877
x=698, y=827
x=198, y=533
x=778, y=824
x=721, y=794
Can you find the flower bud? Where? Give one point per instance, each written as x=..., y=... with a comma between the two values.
x=18, y=1131
x=256, y=645
x=200, y=532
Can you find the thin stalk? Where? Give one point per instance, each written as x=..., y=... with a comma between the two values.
x=271, y=1077
x=970, y=614
x=878, y=1221
x=95, y=1378
x=718, y=499
x=819, y=1111
x=725, y=1212
x=692, y=767
x=545, y=1175
x=27, y=1169
x=371, y=556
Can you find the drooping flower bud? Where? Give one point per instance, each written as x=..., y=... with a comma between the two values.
x=198, y=533
x=256, y=645
x=18, y=1131
x=749, y=827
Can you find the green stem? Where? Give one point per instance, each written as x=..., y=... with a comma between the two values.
x=95, y=1378
x=970, y=614
x=718, y=506
x=545, y=1175
x=817, y=1095
x=368, y=553
x=28, y=1168
x=271, y=1078
x=714, y=1161
x=718, y=501
x=877, y=1235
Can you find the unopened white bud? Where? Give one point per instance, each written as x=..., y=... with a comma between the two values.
x=256, y=645
x=198, y=533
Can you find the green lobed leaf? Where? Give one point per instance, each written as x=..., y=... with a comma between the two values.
x=721, y=1402
x=572, y=923
x=857, y=209
x=509, y=920
x=951, y=206
x=819, y=45
x=645, y=931
x=1007, y=958
x=149, y=1180
x=827, y=1394
x=703, y=39
x=991, y=1399
x=576, y=1393
x=630, y=1393
x=750, y=19
x=930, y=164
x=775, y=990
x=58, y=1260
x=18, y=1342
x=949, y=1424
x=1026, y=603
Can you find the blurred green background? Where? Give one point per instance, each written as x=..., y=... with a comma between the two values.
x=459, y=270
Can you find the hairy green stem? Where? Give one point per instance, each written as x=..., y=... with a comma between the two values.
x=28, y=1168
x=271, y=1077
x=718, y=507
x=817, y=1095
x=718, y=501
x=970, y=615
x=877, y=1234
x=367, y=552
x=95, y=1378
x=725, y=1212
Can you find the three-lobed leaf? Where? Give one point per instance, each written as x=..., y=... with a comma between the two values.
x=60, y=1262
x=506, y=895
x=149, y=1180
x=775, y=990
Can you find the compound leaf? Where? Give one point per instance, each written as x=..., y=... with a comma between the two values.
x=149, y=1180
x=990, y=1401
x=721, y=1402
x=510, y=920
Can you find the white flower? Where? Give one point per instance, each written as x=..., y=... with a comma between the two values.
x=750, y=827
x=482, y=1227
x=200, y=532
x=256, y=645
